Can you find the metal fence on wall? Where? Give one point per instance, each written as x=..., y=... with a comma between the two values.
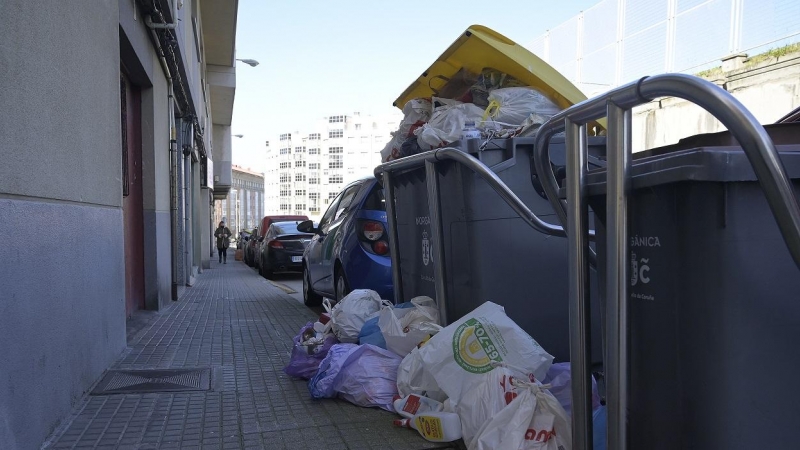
x=617, y=41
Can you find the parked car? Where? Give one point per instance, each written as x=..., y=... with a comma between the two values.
x=250, y=248
x=350, y=249
x=266, y=221
x=282, y=249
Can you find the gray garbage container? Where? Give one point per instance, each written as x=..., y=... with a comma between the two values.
x=714, y=309
x=490, y=252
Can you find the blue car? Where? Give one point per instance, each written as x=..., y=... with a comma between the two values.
x=350, y=249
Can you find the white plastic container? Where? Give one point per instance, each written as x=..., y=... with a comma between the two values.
x=413, y=404
x=436, y=426
x=470, y=132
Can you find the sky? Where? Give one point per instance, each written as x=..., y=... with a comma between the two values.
x=319, y=58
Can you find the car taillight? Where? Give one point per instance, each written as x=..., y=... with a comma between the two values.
x=275, y=244
x=380, y=247
x=372, y=230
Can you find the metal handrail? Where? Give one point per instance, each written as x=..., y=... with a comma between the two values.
x=616, y=105
x=472, y=163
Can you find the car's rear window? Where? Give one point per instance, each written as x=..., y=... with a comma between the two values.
x=286, y=227
x=375, y=200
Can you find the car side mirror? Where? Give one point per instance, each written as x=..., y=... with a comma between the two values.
x=307, y=226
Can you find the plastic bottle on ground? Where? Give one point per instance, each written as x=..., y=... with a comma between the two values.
x=435, y=426
x=413, y=404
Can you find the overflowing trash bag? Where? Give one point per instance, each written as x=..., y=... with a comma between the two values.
x=308, y=352
x=406, y=325
x=364, y=375
x=510, y=107
x=351, y=312
x=446, y=124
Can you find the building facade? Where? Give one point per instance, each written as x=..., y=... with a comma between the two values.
x=114, y=127
x=243, y=208
x=306, y=169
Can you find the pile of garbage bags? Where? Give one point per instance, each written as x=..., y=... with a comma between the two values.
x=481, y=379
x=496, y=104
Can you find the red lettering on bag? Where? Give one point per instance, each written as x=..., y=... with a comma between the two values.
x=541, y=436
x=510, y=396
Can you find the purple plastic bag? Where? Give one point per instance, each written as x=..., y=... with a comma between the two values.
x=322, y=384
x=369, y=377
x=305, y=361
x=559, y=378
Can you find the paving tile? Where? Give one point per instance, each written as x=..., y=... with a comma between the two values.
x=235, y=322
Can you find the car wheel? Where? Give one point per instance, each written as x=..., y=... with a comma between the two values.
x=310, y=298
x=341, y=288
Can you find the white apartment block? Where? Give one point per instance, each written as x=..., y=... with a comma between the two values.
x=306, y=169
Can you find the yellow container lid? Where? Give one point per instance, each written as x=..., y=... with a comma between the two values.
x=480, y=48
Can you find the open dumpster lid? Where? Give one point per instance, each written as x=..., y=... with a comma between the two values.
x=480, y=47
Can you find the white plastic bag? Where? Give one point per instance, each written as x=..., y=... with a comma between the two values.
x=349, y=315
x=404, y=328
x=458, y=355
x=412, y=378
x=510, y=107
x=533, y=419
x=446, y=125
x=415, y=110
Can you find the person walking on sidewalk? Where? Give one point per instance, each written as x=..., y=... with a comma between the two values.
x=223, y=235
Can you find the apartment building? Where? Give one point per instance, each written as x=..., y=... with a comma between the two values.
x=243, y=208
x=306, y=169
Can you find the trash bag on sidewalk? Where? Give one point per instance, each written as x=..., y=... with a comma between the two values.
x=457, y=356
x=532, y=419
x=308, y=352
x=349, y=315
x=368, y=377
x=559, y=379
x=407, y=324
x=321, y=385
x=371, y=334
x=412, y=378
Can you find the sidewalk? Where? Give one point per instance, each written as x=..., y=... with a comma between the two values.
x=241, y=327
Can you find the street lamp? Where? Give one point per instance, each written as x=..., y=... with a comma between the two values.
x=249, y=62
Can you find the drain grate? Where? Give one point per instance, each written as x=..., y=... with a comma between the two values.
x=157, y=380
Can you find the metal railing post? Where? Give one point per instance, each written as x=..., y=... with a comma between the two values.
x=391, y=222
x=578, y=237
x=434, y=208
x=617, y=268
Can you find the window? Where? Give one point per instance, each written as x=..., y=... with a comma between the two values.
x=313, y=209
x=299, y=163
x=313, y=181
x=336, y=119
x=285, y=206
x=358, y=126
x=313, y=195
x=313, y=166
x=331, y=195
x=285, y=165
x=375, y=200
x=285, y=151
x=335, y=150
x=299, y=177
x=314, y=137
x=286, y=193
x=335, y=179
x=347, y=199
x=285, y=178
x=300, y=192
x=335, y=162
x=299, y=149
x=286, y=137
x=335, y=133
x=313, y=151
x=300, y=206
